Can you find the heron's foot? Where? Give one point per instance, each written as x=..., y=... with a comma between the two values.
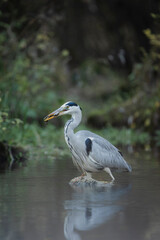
x=83, y=174
x=77, y=179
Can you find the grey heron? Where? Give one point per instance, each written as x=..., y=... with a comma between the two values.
x=90, y=152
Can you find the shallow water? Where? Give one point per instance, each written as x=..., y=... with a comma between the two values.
x=37, y=203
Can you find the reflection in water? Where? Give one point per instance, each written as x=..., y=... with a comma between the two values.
x=32, y=202
x=91, y=207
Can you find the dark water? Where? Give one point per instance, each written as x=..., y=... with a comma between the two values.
x=37, y=203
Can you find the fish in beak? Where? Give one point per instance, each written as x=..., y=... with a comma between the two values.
x=54, y=114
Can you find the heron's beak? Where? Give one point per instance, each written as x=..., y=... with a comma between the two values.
x=54, y=114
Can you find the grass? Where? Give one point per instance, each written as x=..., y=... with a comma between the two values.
x=126, y=136
x=49, y=140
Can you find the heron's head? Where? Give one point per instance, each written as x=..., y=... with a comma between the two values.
x=66, y=108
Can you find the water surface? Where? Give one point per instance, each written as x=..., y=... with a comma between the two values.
x=37, y=203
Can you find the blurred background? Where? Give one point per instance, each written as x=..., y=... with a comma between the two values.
x=103, y=55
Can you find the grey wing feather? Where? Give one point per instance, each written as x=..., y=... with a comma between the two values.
x=108, y=155
x=103, y=152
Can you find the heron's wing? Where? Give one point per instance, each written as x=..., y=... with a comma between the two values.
x=100, y=152
x=104, y=153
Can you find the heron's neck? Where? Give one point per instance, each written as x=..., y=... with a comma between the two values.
x=72, y=124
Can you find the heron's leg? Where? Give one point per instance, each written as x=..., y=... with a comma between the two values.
x=78, y=179
x=109, y=172
x=83, y=174
x=88, y=175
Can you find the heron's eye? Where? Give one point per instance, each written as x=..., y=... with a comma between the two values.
x=66, y=108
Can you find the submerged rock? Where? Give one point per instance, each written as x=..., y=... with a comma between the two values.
x=84, y=181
